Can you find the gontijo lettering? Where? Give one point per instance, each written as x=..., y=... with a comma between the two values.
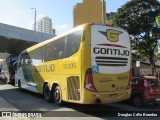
x=109, y=51
x=45, y=68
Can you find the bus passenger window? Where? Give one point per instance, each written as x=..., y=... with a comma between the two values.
x=73, y=43
x=61, y=54
x=59, y=49
x=55, y=53
x=48, y=52
x=36, y=56
x=22, y=61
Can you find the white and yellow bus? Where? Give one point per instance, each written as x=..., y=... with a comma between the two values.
x=89, y=64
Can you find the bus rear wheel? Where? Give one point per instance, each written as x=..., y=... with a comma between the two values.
x=57, y=95
x=47, y=93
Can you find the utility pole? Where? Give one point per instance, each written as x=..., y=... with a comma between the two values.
x=34, y=19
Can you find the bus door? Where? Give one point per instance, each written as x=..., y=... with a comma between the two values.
x=25, y=72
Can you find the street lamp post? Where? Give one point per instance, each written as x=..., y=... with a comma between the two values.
x=34, y=19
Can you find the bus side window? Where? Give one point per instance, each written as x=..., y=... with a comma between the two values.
x=59, y=49
x=22, y=61
x=55, y=52
x=61, y=54
x=73, y=43
x=28, y=61
x=48, y=52
x=36, y=56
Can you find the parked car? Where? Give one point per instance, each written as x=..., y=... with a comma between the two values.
x=145, y=90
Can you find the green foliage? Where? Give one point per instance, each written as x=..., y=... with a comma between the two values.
x=158, y=20
x=138, y=17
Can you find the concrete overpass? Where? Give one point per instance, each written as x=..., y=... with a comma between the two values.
x=13, y=39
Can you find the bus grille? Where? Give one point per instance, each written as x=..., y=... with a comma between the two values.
x=111, y=61
x=73, y=88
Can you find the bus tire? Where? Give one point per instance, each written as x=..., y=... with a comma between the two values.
x=57, y=95
x=19, y=86
x=47, y=93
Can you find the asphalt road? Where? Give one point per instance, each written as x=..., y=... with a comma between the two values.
x=11, y=99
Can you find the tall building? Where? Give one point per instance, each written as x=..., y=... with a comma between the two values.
x=44, y=25
x=89, y=11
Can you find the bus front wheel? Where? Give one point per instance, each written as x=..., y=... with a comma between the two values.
x=47, y=93
x=57, y=95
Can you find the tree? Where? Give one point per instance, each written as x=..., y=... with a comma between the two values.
x=158, y=20
x=138, y=17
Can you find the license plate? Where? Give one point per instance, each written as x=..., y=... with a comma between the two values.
x=157, y=99
x=112, y=95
